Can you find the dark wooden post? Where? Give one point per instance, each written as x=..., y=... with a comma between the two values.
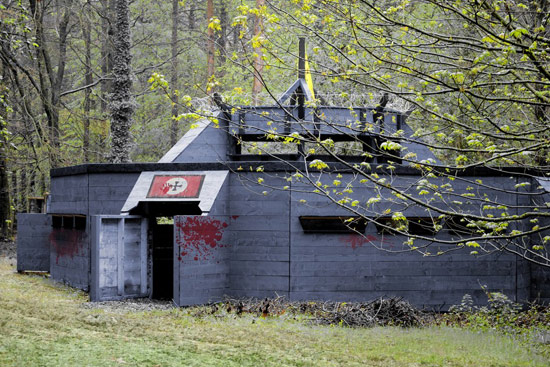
x=302, y=58
x=301, y=75
x=300, y=91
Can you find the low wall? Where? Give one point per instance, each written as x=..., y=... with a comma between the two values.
x=70, y=257
x=270, y=255
x=33, y=245
x=201, y=244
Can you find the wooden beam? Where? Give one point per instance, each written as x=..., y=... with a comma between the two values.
x=143, y=257
x=95, y=294
x=120, y=257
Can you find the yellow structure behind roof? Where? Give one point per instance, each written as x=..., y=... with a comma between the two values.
x=309, y=79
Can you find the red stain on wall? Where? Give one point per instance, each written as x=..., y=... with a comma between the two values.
x=198, y=237
x=355, y=241
x=67, y=242
x=164, y=189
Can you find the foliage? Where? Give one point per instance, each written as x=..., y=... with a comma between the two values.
x=61, y=118
x=530, y=326
x=475, y=76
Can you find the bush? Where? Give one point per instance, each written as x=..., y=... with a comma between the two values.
x=530, y=325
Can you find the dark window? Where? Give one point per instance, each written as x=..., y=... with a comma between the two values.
x=69, y=221
x=418, y=226
x=57, y=221
x=423, y=225
x=387, y=225
x=80, y=222
x=460, y=226
x=333, y=224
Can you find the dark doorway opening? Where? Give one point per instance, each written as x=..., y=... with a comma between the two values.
x=163, y=259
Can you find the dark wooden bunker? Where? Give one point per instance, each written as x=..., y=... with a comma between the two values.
x=199, y=224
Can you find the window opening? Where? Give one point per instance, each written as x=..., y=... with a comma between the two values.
x=387, y=225
x=423, y=225
x=412, y=225
x=79, y=222
x=333, y=224
x=69, y=221
x=460, y=226
x=57, y=221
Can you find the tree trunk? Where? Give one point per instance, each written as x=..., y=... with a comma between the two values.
x=51, y=80
x=174, y=73
x=106, y=86
x=107, y=24
x=86, y=29
x=122, y=103
x=24, y=190
x=15, y=192
x=5, y=204
x=58, y=76
x=540, y=11
x=224, y=23
x=42, y=58
x=258, y=63
x=210, y=43
x=191, y=17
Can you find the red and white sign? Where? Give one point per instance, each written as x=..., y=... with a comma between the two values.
x=188, y=186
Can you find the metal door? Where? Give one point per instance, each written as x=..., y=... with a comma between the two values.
x=119, y=257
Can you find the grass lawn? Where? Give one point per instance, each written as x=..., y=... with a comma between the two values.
x=44, y=324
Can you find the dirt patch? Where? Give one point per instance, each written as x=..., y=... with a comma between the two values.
x=8, y=249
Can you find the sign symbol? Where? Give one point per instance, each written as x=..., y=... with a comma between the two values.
x=175, y=186
x=171, y=187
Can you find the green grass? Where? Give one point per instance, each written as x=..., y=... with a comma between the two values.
x=43, y=324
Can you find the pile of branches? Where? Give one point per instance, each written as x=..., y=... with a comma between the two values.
x=379, y=312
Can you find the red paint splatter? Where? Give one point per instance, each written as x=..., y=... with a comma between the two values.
x=165, y=189
x=199, y=236
x=355, y=241
x=67, y=242
x=234, y=217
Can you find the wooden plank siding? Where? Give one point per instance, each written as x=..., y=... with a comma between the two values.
x=70, y=257
x=201, y=244
x=266, y=252
x=259, y=255
x=271, y=255
x=33, y=244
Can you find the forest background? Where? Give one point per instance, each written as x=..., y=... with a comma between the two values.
x=475, y=73
x=56, y=80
